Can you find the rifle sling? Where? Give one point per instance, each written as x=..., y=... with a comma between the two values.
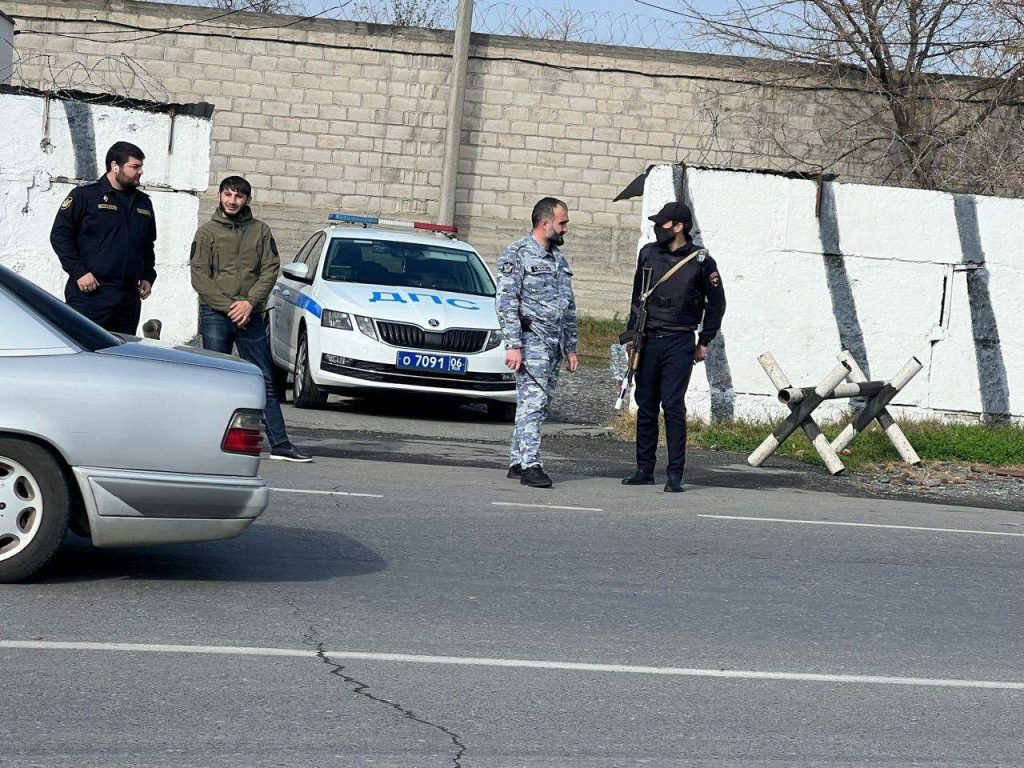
x=647, y=294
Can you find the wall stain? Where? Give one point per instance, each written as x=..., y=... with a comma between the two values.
x=720, y=384
x=840, y=289
x=83, y=138
x=992, y=379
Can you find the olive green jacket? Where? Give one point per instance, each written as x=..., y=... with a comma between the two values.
x=234, y=259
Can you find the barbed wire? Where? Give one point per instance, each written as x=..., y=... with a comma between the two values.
x=109, y=79
x=568, y=24
x=527, y=18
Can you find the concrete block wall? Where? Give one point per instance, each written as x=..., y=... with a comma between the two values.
x=38, y=169
x=324, y=115
x=886, y=273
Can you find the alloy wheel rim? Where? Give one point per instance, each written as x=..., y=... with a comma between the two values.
x=21, y=508
x=301, y=370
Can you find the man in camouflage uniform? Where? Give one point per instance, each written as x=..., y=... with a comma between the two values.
x=537, y=311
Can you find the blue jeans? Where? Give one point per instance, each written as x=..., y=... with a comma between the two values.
x=220, y=334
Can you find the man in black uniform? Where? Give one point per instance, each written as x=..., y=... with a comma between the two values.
x=104, y=234
x=691, y=296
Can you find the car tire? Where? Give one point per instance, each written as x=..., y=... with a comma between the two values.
x=501, y=411
x=305, y=392
x=34, y=508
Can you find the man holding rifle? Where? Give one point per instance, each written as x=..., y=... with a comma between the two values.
x=677, y=291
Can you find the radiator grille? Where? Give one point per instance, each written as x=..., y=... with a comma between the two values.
x=414, y=337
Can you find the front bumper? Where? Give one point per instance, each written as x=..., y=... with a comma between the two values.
x=352, y=372
x=135, y=508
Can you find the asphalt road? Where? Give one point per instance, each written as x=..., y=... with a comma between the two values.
x=440, y=621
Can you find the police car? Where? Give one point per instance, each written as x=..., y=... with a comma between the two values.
x=374, y=304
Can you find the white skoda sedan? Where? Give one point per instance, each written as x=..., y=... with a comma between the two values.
x=366, y=306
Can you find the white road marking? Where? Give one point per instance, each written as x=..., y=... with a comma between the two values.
x=470, y=661
x=544, y=506
x=860, y=525
x=328, y=493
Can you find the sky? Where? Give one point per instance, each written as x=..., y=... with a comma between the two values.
x=617, y=7
x=616, y=22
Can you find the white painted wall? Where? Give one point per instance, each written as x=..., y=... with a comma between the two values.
x=36, y=175
x=903, y=255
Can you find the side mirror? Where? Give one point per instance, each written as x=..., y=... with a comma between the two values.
x=297, y=271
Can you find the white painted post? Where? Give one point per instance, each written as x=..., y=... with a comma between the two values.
x=876, y=407
x=818, y=440
x=885, y=419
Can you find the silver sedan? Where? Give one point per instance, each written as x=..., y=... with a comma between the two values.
x=128, y=441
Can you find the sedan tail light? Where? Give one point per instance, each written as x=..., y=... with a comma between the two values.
x=244, y=433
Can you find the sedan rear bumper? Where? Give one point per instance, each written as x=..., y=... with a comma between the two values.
x=133, y=508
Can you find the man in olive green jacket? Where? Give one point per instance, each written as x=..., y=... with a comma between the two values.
x=234, y=265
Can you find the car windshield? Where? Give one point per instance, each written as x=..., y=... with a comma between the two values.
x=57, y=314
x=407, y=265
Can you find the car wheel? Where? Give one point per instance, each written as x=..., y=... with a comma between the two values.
x=501, y=411
x=34, y=508
x=305, y=392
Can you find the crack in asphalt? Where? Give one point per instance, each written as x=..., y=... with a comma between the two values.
x=362, y=689
x=309, y=637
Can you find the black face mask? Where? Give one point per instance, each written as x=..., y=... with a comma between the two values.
x=664, y=236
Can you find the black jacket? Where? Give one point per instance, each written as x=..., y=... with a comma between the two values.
x=692, y=296
x=106, y=232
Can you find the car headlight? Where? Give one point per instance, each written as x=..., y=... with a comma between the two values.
x=339, y=320
x=366, y=326
x=494, y=338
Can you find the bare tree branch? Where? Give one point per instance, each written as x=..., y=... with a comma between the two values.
x=933, y=90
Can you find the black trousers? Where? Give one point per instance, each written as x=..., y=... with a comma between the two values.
x=661, y=381
x=113, y=307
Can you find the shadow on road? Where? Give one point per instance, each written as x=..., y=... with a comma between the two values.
x=264, y=553
x=408, y=405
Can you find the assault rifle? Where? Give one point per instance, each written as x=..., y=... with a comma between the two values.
x=641, y=324
x=627, y=386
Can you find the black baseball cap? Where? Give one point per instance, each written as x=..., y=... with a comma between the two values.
x=674, y=212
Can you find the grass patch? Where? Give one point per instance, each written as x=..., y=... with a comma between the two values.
x=596, y=335
x=933, y=440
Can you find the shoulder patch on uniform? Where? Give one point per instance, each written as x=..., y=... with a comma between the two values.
x=67, y=203
x=702, y=254
x=195, y=245
x=508, y=267
x=715, y=279
x=273, y=246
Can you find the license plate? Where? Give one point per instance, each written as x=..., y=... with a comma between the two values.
x=424, y=361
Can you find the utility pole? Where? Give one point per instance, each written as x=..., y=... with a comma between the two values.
x=456, y=99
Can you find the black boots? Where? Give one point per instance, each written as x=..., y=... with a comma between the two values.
x=515, y=472
x=535, y=477
x=674, y=484
x=638, y=478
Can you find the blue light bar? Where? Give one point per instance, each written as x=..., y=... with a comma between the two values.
x=353, y=219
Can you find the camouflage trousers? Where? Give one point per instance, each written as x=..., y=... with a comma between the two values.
x=535, y=385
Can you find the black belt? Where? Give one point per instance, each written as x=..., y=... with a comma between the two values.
x=666, y=334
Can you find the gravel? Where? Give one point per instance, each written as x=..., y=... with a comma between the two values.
x=584, y=397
